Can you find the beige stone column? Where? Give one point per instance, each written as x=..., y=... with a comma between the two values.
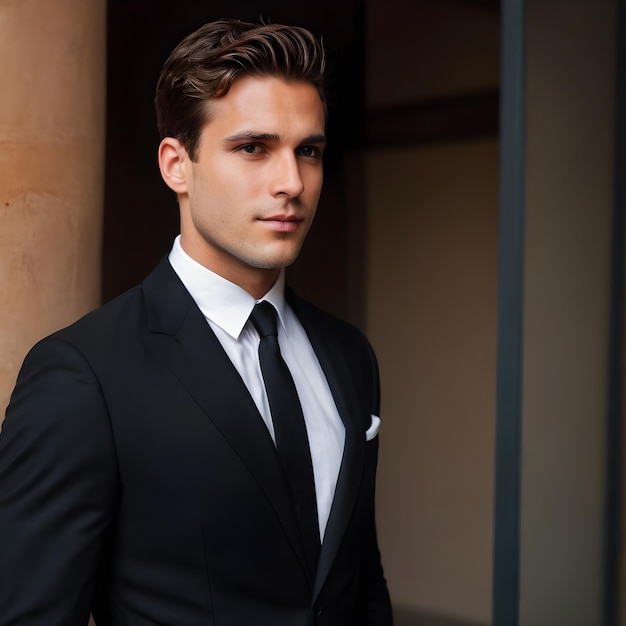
x=52, y=118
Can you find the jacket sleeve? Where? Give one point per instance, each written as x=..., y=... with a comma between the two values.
x=374, y=601
x=375, y=604
x=58, y=486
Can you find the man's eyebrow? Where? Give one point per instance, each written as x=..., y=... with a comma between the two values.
x=273, y=137
x=249, y=135
x=315, y=139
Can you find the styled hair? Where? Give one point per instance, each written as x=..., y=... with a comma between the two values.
x=205, y=64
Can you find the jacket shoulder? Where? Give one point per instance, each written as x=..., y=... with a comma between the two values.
x=133, y=311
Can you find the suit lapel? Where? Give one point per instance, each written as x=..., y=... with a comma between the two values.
x=180, y=335
x=335, y=368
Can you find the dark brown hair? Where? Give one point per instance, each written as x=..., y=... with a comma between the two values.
x=206, y=63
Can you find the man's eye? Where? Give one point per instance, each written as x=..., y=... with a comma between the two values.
x=250, y=148
x=308, y=151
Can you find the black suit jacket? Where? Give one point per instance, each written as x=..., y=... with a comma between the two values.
x=139, y=482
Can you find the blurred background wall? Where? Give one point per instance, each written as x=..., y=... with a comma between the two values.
x=432, y=183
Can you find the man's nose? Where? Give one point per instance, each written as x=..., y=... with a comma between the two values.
x=286, y=176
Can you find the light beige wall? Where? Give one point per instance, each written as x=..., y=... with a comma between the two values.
x=571, y=48
x=432, y=320
x=52, y=63
x=432, y=313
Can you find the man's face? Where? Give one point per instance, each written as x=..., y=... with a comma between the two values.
x=252, y=193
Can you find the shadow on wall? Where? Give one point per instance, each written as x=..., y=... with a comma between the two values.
x=411, y=617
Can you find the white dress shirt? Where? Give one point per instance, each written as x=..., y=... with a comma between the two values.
x=227, y=307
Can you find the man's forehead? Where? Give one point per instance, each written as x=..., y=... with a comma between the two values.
x=268, y=113
x=252, y=93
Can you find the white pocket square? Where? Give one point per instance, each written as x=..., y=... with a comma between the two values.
x=372, y=431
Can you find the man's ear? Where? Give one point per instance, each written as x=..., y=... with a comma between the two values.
x=173, y=159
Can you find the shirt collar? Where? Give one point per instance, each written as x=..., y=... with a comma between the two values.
x=222, y=302
x=276, y=296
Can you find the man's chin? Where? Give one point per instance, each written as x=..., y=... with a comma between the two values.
x=274, y=265
x=278, y=261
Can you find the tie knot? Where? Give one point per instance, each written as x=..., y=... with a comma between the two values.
x=264, y=319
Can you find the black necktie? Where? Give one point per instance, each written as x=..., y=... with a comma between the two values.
x=291, y=437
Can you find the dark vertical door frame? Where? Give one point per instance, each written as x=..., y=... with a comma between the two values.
x=506, y=570
x=506, y=563
x=615, y=406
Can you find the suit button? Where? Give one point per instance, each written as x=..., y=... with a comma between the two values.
x=317, y=610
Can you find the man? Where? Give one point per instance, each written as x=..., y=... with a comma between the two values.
x=158, y=463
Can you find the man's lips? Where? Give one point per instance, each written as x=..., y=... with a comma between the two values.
x=283, y=223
